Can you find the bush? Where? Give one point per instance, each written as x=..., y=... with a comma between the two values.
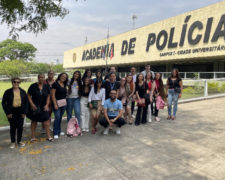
x=13, y=68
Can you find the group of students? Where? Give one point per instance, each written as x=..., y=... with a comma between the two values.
x=109, y=101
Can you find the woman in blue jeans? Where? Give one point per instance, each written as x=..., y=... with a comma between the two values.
x=174, y=87
x=73, y=97
x=58, y=95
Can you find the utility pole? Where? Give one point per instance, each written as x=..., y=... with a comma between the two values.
x=134, y=17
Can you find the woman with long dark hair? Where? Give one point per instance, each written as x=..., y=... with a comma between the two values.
x=87, y=74
x=96, y=101
x=174, y=87
x=158, y=91
x=85, y=114
x=15, y=105
x=73, y=97
x=58, y=95
x=141, y=90
x=151, y=84
x=98, y=76
x=130, y=90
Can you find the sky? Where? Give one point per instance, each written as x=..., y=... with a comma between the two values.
x=91, y=19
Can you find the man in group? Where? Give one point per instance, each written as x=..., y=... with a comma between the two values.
x=112, y=70
x=112, y=84
x=113, y=111
x=50, y=80
x=148, y=69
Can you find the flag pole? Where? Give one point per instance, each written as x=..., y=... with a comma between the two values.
x=107, y=53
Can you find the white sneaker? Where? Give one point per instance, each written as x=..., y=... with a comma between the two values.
x=106, y=131
x=118, y=130
x=12, y=146
x=56, y=137
x=83, y=130
x=62, y=134
x=87, y=130
x=21, y=144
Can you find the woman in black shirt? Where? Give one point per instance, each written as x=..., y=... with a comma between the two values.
x=58, y=95
x=39, y=99
x=174, y=87
x=15, y=103
x=141, y=91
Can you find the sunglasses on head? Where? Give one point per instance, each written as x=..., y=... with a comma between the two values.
x=16, y=82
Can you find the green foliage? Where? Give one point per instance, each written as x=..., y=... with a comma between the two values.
x=57, y=68
x=18, y=67
x=12, y=68
x=213, y=87
x=12, y=49
x=29, y=16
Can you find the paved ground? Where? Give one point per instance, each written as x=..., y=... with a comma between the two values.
x=191, y=147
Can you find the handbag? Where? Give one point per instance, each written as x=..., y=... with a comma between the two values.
x=61, y=102
x=94, y=104
x=160, y=103
x=141, y=102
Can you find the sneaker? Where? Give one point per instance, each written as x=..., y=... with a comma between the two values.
x=43, y=131
x=106, y=131
x=12, y=146
x=56, y=137
x=83, y=130
x=21, y=144
x=118, y=130
x=86, y=130
x=157, y=119
x=62, y=134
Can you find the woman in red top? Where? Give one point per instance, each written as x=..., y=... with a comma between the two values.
x=158, y=91
x=151, y=84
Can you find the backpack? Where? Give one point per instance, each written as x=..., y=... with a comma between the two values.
x=73, y=128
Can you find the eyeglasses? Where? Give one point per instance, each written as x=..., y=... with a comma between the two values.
x=16, y=82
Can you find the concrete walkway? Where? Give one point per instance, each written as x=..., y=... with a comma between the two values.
x=191, y=147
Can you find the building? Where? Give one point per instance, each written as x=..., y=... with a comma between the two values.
x=193, y=42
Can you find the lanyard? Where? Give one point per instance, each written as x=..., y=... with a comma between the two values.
x=112, y=86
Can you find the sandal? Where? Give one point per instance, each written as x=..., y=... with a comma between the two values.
x=50, y=139
x=93, y=131
x=173, y=117
x=169, y=117
x=33, y=140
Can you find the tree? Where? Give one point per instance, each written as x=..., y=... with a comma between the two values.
x=13, y=68
x=12, y=49
x=29, y=15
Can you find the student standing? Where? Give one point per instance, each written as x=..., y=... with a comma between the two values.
x=58, y=95
x=141, y=90
x=39, y=99
x=158, y=91
x=96, y=101
x=174, y=89
x=85, y=113
x=73, y=97
x=15, y=106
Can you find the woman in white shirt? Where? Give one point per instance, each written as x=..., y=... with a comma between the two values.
x=96, y=100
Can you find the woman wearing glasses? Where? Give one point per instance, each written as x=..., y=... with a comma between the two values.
x=15, y=105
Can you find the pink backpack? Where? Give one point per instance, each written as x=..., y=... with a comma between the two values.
x=73, y=128
x=160, y=103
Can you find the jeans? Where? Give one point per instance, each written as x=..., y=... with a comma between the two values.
x=58, y=118
x=73, y=104
x=85, y=113
x=119, y=122
x=172, y=98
